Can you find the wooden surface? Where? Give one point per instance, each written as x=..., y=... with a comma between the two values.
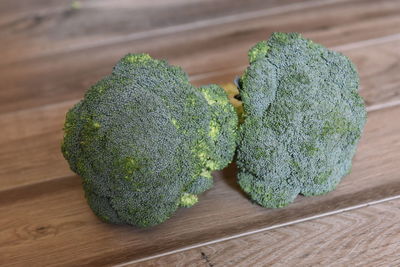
x=362, y=237
x=51, y=53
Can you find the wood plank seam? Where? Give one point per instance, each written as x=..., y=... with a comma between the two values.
x=368, y=42
x=347, y=209
x=383, y=105
x=364, y=237
x=194, y=26
x=9, y=18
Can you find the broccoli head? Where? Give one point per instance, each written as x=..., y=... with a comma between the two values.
x=145, y=141
x=303, y=118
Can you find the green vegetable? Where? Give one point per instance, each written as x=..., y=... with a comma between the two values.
x=303, y=118
x=145, y=141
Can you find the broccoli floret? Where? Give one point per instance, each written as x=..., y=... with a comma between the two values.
x=145, y=141
x=303, y=118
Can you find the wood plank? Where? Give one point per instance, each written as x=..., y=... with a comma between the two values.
x=143, y=15
x=50, y=26
x=49, y=223
x=368, y=236
x=65, y=76
x=30, y=144
x=34, y=136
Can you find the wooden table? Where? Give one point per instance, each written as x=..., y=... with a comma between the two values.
x=51, y=51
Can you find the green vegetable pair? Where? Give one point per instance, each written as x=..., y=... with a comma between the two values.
x=145, y=141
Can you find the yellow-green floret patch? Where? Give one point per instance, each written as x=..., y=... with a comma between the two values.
x=188, y=200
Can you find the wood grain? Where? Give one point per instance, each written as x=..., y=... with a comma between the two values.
x=38, y=132
x=52, y=218
x=65, y=76
x=30, y=143
x=52, y=53
x=52, y=26
x=364, y=237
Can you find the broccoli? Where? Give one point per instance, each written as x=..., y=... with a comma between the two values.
x=303, y=118
x=145, y=141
